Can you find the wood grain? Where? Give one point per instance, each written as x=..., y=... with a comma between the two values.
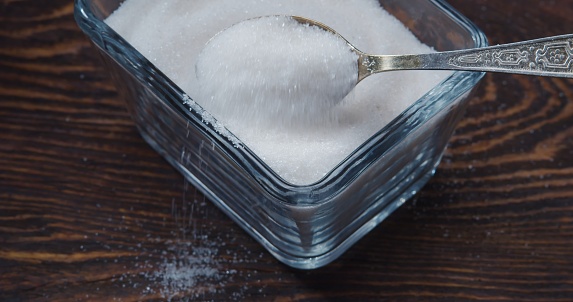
x=88, y=212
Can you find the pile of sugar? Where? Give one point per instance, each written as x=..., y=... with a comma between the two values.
x=273, y=71
x=172, y=34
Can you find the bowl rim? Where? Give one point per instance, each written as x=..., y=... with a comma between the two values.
x=338, y=178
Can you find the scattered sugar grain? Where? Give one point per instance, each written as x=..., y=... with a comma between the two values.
x=191, y=264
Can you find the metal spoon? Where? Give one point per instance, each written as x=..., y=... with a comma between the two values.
x=551, y=56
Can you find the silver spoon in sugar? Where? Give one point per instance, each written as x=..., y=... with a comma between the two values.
x=294, y=69
x=275, y=68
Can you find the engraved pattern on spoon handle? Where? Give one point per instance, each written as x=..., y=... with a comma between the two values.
x=551, y=56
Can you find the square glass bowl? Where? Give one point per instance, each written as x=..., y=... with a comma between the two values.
x=303, y=226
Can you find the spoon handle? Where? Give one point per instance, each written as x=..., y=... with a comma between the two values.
x=552, y=56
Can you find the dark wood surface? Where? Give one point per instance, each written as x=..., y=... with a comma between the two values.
x=89, y=212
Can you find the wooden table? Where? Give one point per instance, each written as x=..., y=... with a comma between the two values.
x=89, y=212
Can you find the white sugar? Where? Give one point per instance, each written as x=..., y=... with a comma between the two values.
x=172, y=34
x=275, y=71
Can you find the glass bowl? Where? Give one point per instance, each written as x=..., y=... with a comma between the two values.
x=303, y=226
